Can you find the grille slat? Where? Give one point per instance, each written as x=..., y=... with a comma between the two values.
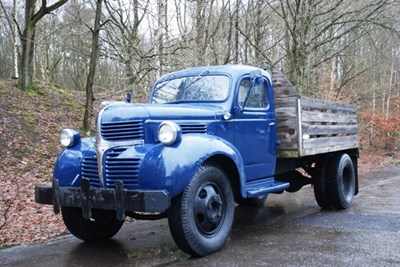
x=122, y=131
x=124, y=169
x=90, y=171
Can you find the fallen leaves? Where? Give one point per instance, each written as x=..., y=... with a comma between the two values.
x=30, y=127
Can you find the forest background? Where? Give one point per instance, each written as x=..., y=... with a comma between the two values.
x=341, y=50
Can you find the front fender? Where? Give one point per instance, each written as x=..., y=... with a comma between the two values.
x=172, y=167
x=67, y=168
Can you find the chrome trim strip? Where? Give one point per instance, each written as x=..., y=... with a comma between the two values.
x=76, y=177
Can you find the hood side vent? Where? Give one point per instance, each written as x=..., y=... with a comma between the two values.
x=193, y=128
x=122, y=131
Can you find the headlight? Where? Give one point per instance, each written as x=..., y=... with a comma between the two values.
x=169, y=132
x=69, y=137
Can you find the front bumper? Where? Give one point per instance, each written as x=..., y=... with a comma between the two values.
x=88, y=198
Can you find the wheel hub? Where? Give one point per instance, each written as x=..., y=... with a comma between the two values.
x=214, y=209
x=208, y=209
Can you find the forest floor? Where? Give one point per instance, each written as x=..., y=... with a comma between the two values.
x=30, y=123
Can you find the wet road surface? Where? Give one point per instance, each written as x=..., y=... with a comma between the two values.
x=290, y=230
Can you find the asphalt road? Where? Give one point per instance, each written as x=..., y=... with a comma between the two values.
x=290, y=230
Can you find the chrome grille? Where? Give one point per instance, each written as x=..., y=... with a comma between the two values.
x=193, y=128
x=90, y=171
x=124, y=169
x=122, y=131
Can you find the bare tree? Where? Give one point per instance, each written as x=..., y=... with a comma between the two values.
x=87, y=119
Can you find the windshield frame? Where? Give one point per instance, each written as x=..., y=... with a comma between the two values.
x=198, y=76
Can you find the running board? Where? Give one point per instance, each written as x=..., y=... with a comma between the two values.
x=265, y=186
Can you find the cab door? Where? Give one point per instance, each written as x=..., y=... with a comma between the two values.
x=255, y=126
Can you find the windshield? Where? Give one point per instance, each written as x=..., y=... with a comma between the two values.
x=192, y=88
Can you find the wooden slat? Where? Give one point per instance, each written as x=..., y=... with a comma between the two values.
x=329, y=129
x=284, y=102
x=320, y=150
x=336, y=141
x=321, y=117
x=283, y=114
x=313, y=103
x=288, y=153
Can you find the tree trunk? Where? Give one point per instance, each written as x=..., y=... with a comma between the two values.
x=15, y=41
x=87, y=119
x=28, y=38
x=28, y=45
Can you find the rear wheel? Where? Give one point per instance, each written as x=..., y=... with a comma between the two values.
x=201, y=218
x=320, y=186
x=335, y=182
x=341, y=181
x=103, y=224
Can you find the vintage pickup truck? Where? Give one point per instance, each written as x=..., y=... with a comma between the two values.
x=209, y=137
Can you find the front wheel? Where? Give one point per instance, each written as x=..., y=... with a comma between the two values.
x=201, y=218
x=103, y=224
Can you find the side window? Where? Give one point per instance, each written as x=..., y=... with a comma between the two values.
x=257, y=97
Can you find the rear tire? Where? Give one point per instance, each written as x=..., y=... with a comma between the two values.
x=341, y=181
x=320, y=186
x=103, y=224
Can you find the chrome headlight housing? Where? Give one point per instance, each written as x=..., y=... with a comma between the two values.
x=169, y=132
x=69, y=137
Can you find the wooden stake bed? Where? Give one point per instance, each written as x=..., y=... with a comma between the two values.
x=308, y=126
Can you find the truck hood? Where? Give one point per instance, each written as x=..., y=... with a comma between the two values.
x=127, y=112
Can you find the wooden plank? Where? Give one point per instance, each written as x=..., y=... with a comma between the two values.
x=286, y=113
x=320, y=117
x=329, y=129
x=336, y=141
x=288, y=153
x=283, y=102
x=287, y=143
x=282, y=86
x=313, y=103
x=320, y=150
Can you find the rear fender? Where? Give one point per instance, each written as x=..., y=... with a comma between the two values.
x=172, y=167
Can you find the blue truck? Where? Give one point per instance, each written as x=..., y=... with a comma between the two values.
x=208, y=139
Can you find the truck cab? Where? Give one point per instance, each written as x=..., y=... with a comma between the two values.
x=205, y=140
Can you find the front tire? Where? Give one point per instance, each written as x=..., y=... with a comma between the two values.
x=201, y=218
x=103, y=224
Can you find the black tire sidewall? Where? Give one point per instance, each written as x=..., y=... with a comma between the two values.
x=320, y=185
x=339, y=166
x=88, y=230
x=185, y=231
